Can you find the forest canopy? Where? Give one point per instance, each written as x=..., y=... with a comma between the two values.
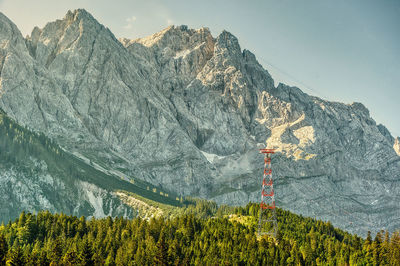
x=203, y=234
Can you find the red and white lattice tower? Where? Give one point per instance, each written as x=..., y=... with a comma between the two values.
x=267, y=223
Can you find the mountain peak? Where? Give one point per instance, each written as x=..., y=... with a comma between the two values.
x=5, y=20
x=80, y=17
x=78, y=28
x=9, y=31
x=204, y=102
x=78, y=14
x=177, y=34
x=154, y=38
x=227, y=40
x=360, y=108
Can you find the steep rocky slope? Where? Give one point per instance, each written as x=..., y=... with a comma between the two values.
x=36, y=174
x=396, y=145
x=187, y=112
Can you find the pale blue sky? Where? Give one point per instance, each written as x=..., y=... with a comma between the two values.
x=339, y=50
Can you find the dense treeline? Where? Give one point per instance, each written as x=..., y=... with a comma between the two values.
x=200, y=233
x=194, y=238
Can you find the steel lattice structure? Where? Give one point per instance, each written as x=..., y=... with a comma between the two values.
x=267, y=223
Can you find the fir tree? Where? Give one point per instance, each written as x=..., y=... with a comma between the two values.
x=71, y=257
x=3, y=249
x=86, y=255
x=161, y=257
x=15, y=257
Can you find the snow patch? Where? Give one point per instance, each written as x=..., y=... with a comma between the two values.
x=239, y=166
x=95, y=200
x=211, y=156
x=182, y=54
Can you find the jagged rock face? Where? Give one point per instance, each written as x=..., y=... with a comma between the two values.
x=188, y=112
x=396, y=145
x=116, y=96
x=22, y=190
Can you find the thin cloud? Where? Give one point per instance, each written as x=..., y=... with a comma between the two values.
x=169, y=21
x=131, y=19
x=130, y=22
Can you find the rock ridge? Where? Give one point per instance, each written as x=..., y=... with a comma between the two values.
x=187, y=112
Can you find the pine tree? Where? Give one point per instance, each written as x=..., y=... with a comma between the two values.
x=307, y=253
x=86, y=255
x=161, y=257
x=140, y=256
x=110, y=260
x=21, y=219
x=30, y=227
x=56, y=251
x=368, y=241
x=395, y=249
x=15, y=257
x=173, y=253
x=98, y=259
x=384, y=252
x=3, y=249
x=71, y=258
x=375, y=247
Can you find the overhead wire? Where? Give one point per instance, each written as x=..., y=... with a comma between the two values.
x=291, y=77
x=318, y=93
x=299, y=82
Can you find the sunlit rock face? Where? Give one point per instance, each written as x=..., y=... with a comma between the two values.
x=188, y=112
x=396, y=145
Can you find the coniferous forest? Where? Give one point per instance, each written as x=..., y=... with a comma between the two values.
x=195, y=232
x=203, y=234
x=117, y=128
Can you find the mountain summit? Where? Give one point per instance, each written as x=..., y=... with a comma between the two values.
x=187, y=113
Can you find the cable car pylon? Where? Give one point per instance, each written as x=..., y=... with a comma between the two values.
x=267, y=222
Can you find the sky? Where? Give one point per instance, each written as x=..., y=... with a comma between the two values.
x=346, y=51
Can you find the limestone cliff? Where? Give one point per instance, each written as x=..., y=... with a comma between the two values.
x=187, y=112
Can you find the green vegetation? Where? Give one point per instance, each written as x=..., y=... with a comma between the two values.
x=188, y=231
x=19, y=146
x=202, y=234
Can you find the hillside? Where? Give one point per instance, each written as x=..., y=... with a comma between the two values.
x=36, y=174
x=219, y=238
x=185, y=112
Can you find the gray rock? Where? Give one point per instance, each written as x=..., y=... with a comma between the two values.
x=396, y=145
x=188, y=113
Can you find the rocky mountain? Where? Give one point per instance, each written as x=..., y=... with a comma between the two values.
x=36, y=174
x=396, y=145
x=187, y=113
